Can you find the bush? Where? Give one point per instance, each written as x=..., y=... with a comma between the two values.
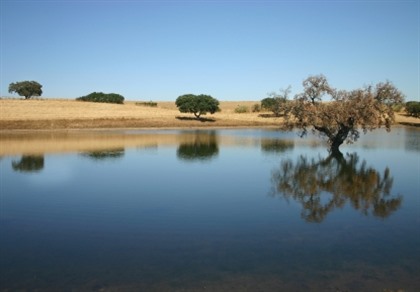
x=267, y=103
x=276, y=104
x=256, y=108
x=148, y=103
x=398, y=107
x=240, y=109
x=413, y=108
x=102, y=97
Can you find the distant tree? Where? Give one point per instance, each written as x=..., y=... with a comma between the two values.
x=346, y=113
x=26, y=88
x=276, y=102
x=412, y=108
x=197, y=104
x=103, y=97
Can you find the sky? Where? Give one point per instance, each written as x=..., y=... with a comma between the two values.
x=231, y=50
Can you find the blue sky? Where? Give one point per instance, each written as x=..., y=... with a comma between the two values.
x=232, y=50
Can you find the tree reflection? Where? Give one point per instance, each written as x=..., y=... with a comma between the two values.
x=412, y=141
x=105, y=154
x=276, y=146
x=203, y=147
x=29, y=163
x=322, y=185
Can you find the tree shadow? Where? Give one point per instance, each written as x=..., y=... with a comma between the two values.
x=267, y=115
x=410, y=124
x=200, y=119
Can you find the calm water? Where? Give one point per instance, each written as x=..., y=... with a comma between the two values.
x=223, y=210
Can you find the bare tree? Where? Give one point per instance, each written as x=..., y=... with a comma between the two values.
x=345, y=114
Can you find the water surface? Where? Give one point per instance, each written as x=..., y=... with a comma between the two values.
x=221, y=210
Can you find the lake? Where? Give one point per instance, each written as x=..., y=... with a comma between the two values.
x=208, y=210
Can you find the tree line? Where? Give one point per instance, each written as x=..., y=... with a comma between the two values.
x=338, y=115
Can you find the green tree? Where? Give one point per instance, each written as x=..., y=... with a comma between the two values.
x=103, y=97
x=26, y=88
x=197, y=104
x=276, y=102
x=345, y=114
x=412, y=108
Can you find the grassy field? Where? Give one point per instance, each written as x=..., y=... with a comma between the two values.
x=70, y=114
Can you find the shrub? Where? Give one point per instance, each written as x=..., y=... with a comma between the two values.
x=413, y=108
x=398, y=107
x=103, y=97
x=267, y=103
x=147, y=103
x=240, y=109
x=276, y=104
x=256, y=108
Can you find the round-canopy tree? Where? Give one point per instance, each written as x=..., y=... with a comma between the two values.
x=197, y=104
x=346, y=113
x=26, y=88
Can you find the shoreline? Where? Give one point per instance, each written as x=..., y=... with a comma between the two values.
x=144, y=124
x=87, y=124
x=163, y=128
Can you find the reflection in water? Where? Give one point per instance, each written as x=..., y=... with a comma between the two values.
x=323, y=185
x=276, y=145
x=88, y=225
x=29, y=163
x=203, y=147
x=105, y=154
x=412, y=141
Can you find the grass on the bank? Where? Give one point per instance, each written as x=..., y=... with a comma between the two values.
x=63, y=113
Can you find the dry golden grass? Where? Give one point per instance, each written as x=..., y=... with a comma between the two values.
x=70, y=114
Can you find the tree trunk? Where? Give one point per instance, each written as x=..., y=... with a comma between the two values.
x=335, y=146
x=338, y=139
